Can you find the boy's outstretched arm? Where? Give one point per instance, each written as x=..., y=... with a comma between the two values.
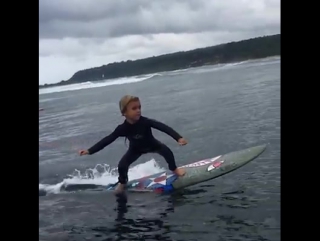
x=164, y=128
x=104, y=142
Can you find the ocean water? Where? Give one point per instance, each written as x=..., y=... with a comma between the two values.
x=218, y=109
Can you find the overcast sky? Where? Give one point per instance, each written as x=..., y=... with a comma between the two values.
x=80, y=34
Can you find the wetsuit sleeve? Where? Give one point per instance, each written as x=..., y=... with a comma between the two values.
x=105, y=141
x=164, y=128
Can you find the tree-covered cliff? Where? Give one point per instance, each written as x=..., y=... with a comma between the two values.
x=254, y=48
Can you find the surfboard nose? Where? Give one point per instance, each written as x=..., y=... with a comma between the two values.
x=246, y=155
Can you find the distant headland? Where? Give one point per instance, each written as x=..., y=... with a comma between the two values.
x=254, y=48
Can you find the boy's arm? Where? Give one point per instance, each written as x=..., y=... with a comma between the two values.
x=105, y=141
x=164, y=128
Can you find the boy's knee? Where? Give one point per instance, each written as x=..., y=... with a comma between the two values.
x=123, y=164
x=167, y=154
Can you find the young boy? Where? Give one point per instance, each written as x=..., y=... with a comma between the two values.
x=137, y=129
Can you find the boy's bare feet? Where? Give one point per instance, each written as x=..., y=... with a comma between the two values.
x=180, y=172
x=120, y=188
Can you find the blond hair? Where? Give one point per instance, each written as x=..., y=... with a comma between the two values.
x=124, y=102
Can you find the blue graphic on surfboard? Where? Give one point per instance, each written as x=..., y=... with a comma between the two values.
x=196, y=172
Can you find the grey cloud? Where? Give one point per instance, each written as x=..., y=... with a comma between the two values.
x=110, y=18
x=84, y=10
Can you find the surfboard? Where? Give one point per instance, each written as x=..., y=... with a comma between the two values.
x=196, y=172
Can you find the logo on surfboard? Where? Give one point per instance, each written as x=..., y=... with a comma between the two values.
x=216, y=163
x=202, y=162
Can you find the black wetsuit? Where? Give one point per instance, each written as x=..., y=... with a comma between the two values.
x=141, y=141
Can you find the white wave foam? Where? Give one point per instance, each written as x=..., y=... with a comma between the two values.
x=247, y=63
x=102, y=174
x=50, y=99
x=216, y=67
x=87, y=85
x=134, y=79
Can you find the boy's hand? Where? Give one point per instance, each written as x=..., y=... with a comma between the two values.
x=83, y=152
x=182, y=142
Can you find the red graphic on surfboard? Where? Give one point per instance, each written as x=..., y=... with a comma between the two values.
x=217, y=163
x=155, y=181
x=202, y=162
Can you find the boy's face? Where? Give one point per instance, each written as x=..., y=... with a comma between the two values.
x=133, y=110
